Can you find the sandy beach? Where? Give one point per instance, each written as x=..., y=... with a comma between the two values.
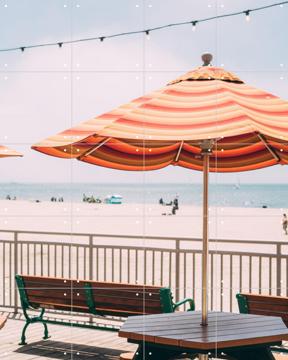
x=138, y=219
x=243, y=227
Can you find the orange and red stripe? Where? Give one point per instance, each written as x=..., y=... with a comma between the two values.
x=166, y=127
x=7, y=152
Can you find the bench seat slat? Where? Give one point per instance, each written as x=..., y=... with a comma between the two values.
x=267, y=298
x=268, y=306
x=116, y=291
x=83, y=309
x=42, y=281
x=108, y=307
x=141, y=291
x=136, y=306
x=79, y=296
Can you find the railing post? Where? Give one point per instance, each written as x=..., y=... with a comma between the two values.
x=91, y=266
x=177, y=269
x=278, y=270
x=90, y=257
x=15, y=271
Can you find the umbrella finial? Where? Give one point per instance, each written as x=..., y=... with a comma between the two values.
x=207, y=58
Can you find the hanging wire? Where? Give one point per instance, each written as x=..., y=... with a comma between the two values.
x=101, y=38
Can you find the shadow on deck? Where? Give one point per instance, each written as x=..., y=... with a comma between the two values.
x=65, y=350
x=65, y=343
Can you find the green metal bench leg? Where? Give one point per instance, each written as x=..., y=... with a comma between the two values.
x=252, y=354
x=46, y=333
x=23, y=336
x=26, y=306
x=32, y=320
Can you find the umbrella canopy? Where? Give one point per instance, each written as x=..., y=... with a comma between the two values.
x=207, y=120
x=164, y=127
x=6, y=152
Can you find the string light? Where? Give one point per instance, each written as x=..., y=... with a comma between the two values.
x=247, y=13
x=147, y=32
x=194, y=23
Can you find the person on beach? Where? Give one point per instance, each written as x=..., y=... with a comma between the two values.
x=176, y=203
x=285, y=224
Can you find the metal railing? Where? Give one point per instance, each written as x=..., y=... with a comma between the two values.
x=235, y=265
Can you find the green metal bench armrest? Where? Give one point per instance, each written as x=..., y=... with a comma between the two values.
x=182, y=302
x=242, y=304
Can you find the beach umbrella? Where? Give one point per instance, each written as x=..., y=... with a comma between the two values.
x=6, y=152
x=206, y=120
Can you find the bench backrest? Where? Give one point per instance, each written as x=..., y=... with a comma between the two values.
x=94, y=297
x=264, y=305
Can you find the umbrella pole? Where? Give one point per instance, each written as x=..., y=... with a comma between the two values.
x=205, y=251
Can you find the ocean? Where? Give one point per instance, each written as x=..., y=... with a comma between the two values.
x=232, y=195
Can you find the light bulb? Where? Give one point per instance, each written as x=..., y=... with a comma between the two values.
x=247, y=13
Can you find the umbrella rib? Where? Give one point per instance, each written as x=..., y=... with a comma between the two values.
x=96, y=147
x=179, y=151
x=269, y=148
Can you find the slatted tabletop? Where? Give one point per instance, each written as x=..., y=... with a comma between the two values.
x=183, y=330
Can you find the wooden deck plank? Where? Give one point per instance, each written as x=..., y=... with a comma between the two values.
x=65, y=343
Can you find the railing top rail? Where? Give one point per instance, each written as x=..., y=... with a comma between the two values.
x=144, y=237
x=153, y=249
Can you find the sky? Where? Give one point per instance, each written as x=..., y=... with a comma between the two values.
x=46, y=90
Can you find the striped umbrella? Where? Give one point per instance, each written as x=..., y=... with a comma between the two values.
x=207, y=120
x=6, y=152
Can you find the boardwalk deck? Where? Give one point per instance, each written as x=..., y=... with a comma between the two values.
x=66, y=343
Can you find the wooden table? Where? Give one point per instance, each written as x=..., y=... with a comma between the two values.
x=241, y=336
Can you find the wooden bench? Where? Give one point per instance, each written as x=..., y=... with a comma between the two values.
x=91, y=297
x=3, y=319
x=265, y=305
